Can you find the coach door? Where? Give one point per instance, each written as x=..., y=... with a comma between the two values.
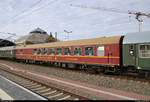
x=109, y=54
x=110, y=61
x=133, y=54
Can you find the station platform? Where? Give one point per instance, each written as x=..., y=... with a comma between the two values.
x=4, y=95
x=12, y=91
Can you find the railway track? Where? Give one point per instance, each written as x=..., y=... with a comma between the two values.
x=125, y=76
x=48, y=92
x=125, y=79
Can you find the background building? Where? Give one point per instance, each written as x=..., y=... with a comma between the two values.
x=34, y=37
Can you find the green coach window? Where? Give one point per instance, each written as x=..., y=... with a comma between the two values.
x=77, y=51
x=67, y=51
x=52, y=51
x=89, y=51
x=59, y=51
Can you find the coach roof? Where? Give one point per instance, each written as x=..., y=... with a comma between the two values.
x=94, y=41
x=138, y=37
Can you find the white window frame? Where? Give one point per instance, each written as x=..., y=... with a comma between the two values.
x=102, y=49
x=140, y=54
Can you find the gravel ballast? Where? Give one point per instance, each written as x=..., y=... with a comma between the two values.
x=95, y=79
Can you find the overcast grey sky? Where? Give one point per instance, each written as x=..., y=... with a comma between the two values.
x=22, y=16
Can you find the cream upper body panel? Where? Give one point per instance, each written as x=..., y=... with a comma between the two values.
x=94, y=41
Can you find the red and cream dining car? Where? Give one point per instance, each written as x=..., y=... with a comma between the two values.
x=103, y=51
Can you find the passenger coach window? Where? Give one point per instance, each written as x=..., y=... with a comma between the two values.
x=100, y=51
x=67, y=51
x=44, y=51
x=144, y=51
x=34, y=52
x=59, y=51
x=52, y=51
x=38, y=51
x=77, y=51
x=89, y=51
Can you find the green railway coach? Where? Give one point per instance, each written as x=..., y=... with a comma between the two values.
x=7, y=52
x=136, y=51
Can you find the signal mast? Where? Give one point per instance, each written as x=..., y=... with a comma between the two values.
x=68, y=32
x=137, y=14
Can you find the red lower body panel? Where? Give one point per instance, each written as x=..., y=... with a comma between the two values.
x=111, y=60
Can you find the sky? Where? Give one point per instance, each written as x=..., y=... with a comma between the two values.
x=22, y=16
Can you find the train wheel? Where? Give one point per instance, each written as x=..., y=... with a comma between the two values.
x=144, y=74
x=91, y=69
x=72, y=66
x=147, y=75
x=100, y=69
x=64, y=65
